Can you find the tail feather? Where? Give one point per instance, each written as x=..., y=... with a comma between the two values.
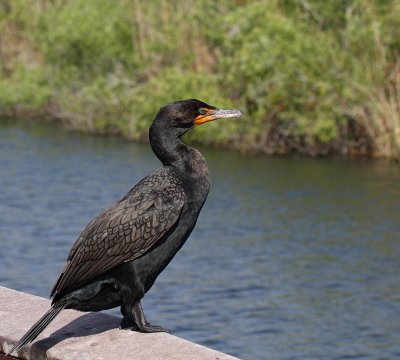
x=37, y=328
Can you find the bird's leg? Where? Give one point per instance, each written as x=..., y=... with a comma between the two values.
x=142, y=323
x=128, y=322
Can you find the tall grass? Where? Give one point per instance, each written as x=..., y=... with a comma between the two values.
x=380, y=116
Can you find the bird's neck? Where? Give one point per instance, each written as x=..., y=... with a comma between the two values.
x=167, y=147
x=173, y=152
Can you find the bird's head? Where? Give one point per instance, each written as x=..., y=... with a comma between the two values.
x=181, y=116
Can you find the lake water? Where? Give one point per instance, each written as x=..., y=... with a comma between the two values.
x=291, y=258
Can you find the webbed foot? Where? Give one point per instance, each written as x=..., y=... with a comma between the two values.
x=148, y=328
x=143, y=325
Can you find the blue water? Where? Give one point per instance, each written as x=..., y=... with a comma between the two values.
x=291, y=258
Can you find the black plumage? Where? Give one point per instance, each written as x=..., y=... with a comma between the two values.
x=120, y=253
x=125, y=231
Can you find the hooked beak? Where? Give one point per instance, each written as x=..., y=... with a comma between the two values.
x=214, y=114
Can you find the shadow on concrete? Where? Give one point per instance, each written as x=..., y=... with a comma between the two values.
x=85, y=325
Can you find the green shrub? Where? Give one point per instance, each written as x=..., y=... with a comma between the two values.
x=284, y=71
x=27, y=89
x=93, y=36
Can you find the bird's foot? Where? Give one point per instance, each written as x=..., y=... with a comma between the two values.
x=127, y=324
x=135, y=315
x=148, y=328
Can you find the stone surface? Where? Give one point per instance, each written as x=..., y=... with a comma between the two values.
x=77, y=335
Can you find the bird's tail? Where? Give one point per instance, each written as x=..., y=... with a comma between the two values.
x=37, y=328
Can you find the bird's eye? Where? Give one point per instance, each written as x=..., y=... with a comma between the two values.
x=202, y=111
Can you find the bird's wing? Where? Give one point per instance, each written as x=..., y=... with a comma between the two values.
x=125, y=231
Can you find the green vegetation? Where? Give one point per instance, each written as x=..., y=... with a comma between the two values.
x=314, y=77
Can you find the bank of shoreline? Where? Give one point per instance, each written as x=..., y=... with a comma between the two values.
x=46, y=116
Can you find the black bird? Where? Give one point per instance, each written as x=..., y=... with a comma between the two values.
x=120, y=253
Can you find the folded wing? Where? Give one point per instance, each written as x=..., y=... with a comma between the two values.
x=126, y=231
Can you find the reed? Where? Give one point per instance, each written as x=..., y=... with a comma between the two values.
x=381, y=115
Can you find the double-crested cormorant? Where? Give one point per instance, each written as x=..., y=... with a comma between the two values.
x=120, y=253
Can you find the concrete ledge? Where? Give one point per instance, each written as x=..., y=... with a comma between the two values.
x=77, y=335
